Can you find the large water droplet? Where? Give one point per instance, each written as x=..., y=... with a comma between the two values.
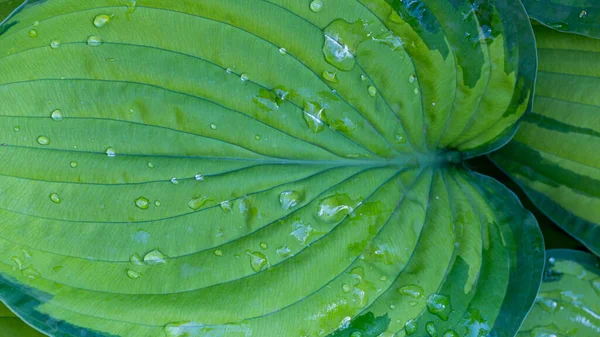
x=439, y=305
x=155, y=257
x=135, y=259
x=142, y=203
x=301, y=231
x=431, y=329
x=411, y=290
x=132, y=274
x=55, y=198
x=197, y=203
x=43, y=140
x=410, y=326
x=289, y=199
x=258, y=261
x=55, y=44
x=226, y=207
x=314, y=115
x=335, y=208
x=101, y=20
x=341, y=40
x=316, y=5
x=111, y=152
x=57, y=115
x=94, y=41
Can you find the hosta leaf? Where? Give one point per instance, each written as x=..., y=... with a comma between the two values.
x=569, y=300
x=554, y=156
x=13, y=326
x=265, y=168
x=572, y=16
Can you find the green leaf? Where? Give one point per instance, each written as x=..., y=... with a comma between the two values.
x=569, y=300
x=13, y=326
x=265, y=168
x=571, y=16
x=554, y=156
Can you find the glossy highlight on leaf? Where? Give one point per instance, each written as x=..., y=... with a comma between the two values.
x=569, y=300
x=263, y=168
x=554, y=156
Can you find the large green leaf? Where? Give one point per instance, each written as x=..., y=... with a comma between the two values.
x=569, y=300
x=265, y=168
x=554, y=156
x=13, y=326
x=573, y=16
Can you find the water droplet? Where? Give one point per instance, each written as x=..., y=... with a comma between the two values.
x=155, y=257
x=36, y=23
x=218, y=252
x=74, y=164
x=229, y=70
x=57, y=115
x=450, y=333
x=150, y=165
x=314, y=115
x=101, y=20
x=411, y=290
x=289, y=199
x=356, y=334
x=416, y=91
x=330, y=76
x=135, y=259
x=264, y=245
x=258, y=261
x=551, y=261
x=257, y=137
x=316, y=5
x=94, y=41
x=131, y=6
x=439, y=305
x=31, y=273
x=301, y=232
x=18, y=263
x=412, y=78
x=55, y=198
x=583, y=14
x=174, y=181
x=283, y=51
x=431, y=329
x=199, y=177
x=346, y=288
x=244, y=77
x=226, y=207
x=283, y=251
x=197, y=203
x=43, y=140
x=372, y=91
x=213, y=126
x=383, y=278
x=111, y=152
x=363, y=77
x=157, y=203
x=142, y=203
x=392, y=307
x=335, y=208
x=33, y=33
x=54, y=44
x=17, y=128
x=132, y=274
x=547, y=304
x=341, y=40
x=410, y=326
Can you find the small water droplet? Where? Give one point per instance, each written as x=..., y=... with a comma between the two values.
x=18, y=263
x=226, y=207
x=36, y=23
x=55, y=198
x=74, y=164
x=316, y=5
x=199, y=177
x=412, y=78
x=258, y=261
x=314, y=116
x=356, y=334
x=330, y=76
x=57, y=115
x=372, y=91
x=101, y=20
x=55, y=44
x=264, y=245
x=150, y=165
x=31, y=273
x=174, y=181
x=547, y=304
x=410, y=326
x=439, y=305
x=43, y=140
x=583, y=14
x=131, y=6
x=257, y=137
x=363, y=77
x=244, y=77
x=142, y=203
x=551, y=261
x=283, y=51
x=218, y=252
x=157, y=203
x=111, y=152
x=346, y=288
x=213, y=126
x=301, y=231
x=289, y=199
x=431, y=329
x=411, y=290
x=284, y=251
x=450, y=333
x=33, y=33
x=335, y=208
x=132, y=274
x=197, y=203
x=229, y=70
x=17, y=128
x=383, y=278
x=135, y=259
x=94, y=41
x=416, y=91
x=155, y=257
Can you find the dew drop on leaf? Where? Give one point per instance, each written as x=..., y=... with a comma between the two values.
x=226, y=207
x=55, y=44
x=56, y=115
x=142, y=203
x=410, y=327
x=411, y=290
x=43, y=140
x=283, y=251
x=174, y=181
x=199, y=177
x=132, y=274
x=450, y=333
x=335, y=208
x=330, y=76
x=17, y=128
x=316, y=5
x=197, y=203
x=74, y=164
x=289, y=199
x=431, y=329
x=157, y=203
x=301, y=231
x=111, y=152
x=372, y=91
x=258, y=261
x=244, y=77
x=213, y=126
x=346, y=288
x=412, y=78
x=94, y=41
x=33, y=33
x=101, y=20
x=155, y=257
x=439, y=305
x=31, y=273
x=583, y=14
x=218, y=252
x=55, y=198
x=135, y=259
x=314, y=116
x=282, y=51
x=547, y=304
x=150, y=165
x=356, y=334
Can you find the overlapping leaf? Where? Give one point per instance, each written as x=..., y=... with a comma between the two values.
x=264, y=168
x=569, y=300
x=554, y=156
x=572, y=16
x=12, y=326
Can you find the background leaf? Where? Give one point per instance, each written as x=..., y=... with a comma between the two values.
x=554, y=155
x=13, y=326
x=569, y=300
x=572, y=16
x=265, y=168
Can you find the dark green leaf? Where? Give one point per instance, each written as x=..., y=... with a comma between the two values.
x=571, y=16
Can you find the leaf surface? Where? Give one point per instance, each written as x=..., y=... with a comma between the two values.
x=554, y=156
x=263, y=168
x=570, y=16
x=13, y=326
